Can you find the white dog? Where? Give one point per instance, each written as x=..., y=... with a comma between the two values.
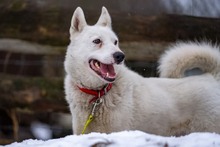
x=105, y=96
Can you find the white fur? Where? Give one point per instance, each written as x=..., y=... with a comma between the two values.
x=190, y=55
x=155, y=105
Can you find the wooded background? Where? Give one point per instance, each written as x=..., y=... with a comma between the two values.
x=34, y=36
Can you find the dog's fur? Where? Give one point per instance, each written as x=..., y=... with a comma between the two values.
x=172, y=105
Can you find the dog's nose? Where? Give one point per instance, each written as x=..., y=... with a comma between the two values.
x=118, y=57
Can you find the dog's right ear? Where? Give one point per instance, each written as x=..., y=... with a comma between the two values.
x=78, y=21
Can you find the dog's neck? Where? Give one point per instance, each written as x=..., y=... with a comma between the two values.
x=96, y=93
x=95, y=85
x=92, y=87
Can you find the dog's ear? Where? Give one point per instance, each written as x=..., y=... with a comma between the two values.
x=78, y=21
x=104, y=19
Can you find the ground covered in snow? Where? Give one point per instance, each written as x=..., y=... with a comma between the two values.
x=126, y=139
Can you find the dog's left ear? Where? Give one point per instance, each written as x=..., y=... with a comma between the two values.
x=104, y=19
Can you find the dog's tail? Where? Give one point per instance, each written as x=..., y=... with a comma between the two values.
x=191, y=58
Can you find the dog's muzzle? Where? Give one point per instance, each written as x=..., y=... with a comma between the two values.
x=118, y=57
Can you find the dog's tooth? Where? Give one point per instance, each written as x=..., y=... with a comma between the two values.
x=107, y=74
x=96, y=65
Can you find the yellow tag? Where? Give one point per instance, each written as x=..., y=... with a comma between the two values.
x=89, y=120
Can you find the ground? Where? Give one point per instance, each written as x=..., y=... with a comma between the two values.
x=126, y=138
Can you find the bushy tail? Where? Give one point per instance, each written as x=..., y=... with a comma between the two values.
x=183, y=58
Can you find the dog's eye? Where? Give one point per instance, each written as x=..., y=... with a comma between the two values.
x=97, y=41
x=116, y=42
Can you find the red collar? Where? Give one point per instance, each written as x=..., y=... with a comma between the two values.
x=97, y=93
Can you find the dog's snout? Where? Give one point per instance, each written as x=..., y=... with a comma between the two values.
x=118, y=57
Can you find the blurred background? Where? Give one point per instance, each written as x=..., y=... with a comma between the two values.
x=34, y=35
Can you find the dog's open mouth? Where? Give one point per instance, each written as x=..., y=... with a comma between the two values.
x=105, y=71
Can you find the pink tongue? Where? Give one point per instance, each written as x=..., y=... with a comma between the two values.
x=107, y=68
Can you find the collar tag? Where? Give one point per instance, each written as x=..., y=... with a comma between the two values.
x=91, y=116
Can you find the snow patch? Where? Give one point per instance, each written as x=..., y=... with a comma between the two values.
x=126, y=138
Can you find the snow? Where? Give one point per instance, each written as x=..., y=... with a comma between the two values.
x=126, y=138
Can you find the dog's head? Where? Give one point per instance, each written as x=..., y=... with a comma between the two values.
x=93, y=49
